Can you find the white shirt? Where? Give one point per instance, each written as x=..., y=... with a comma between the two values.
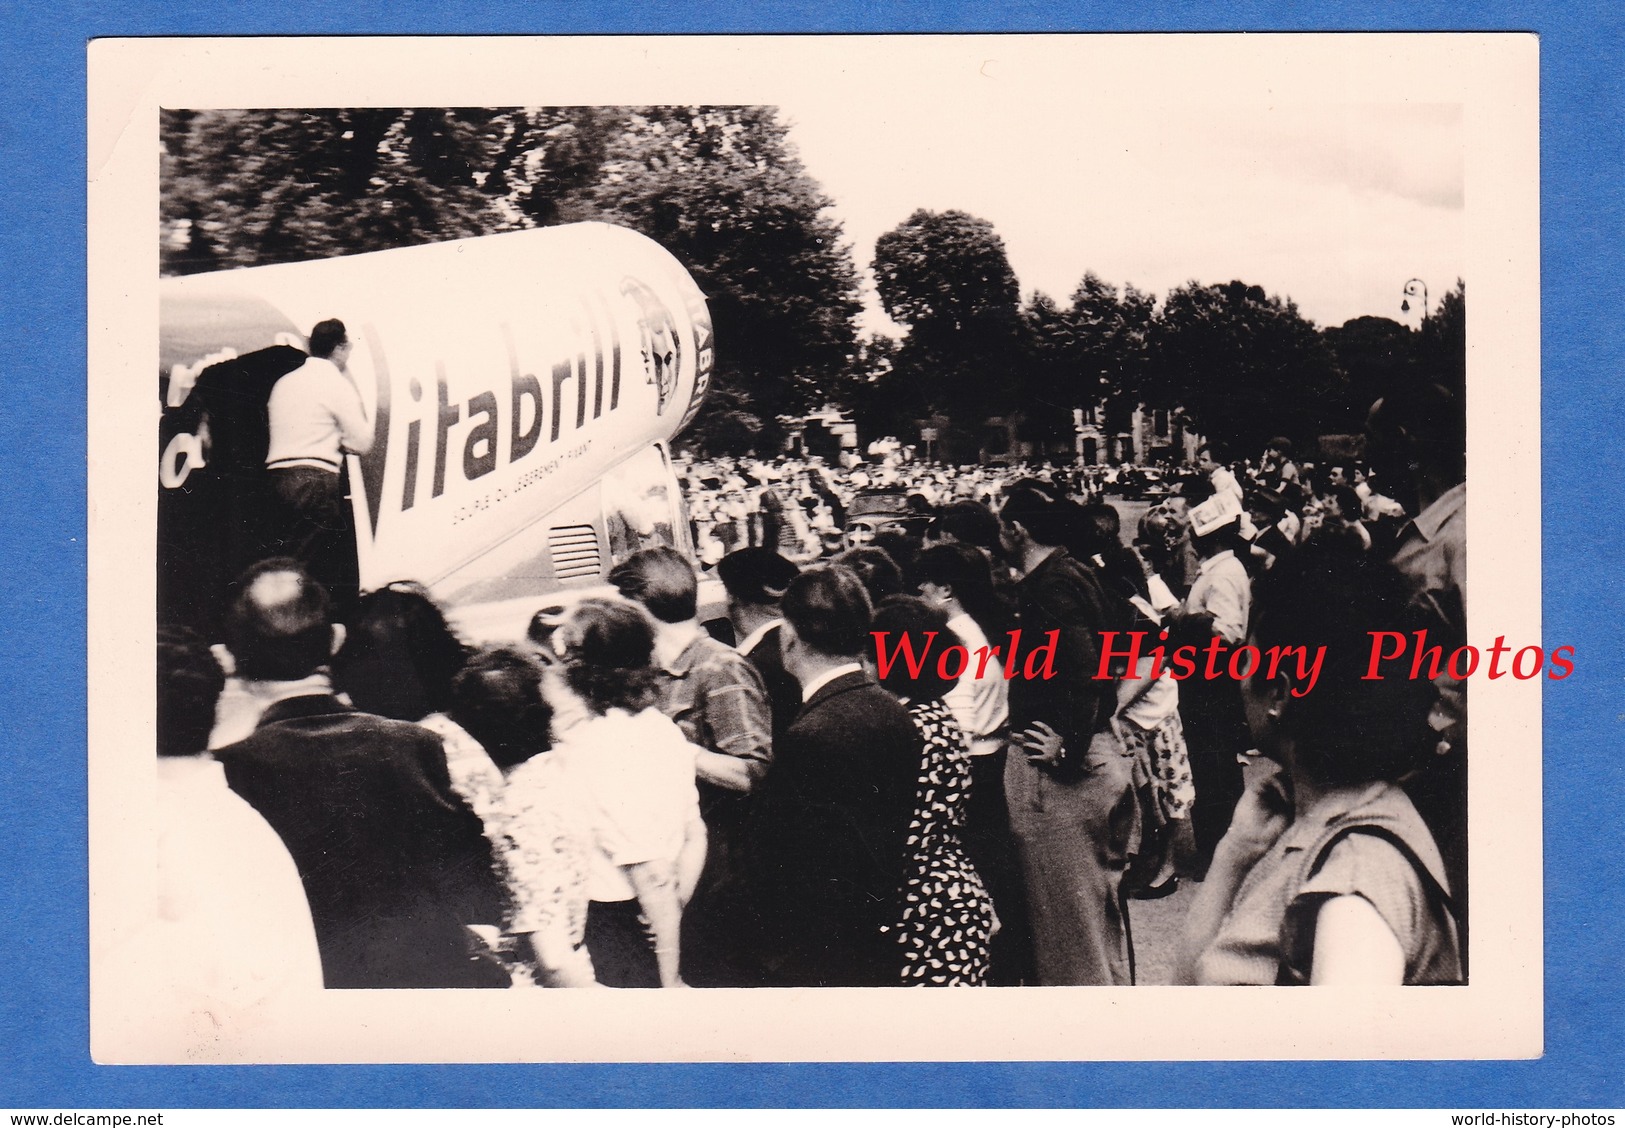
x=1225, y=482
x=230, y=934
x=635, y=777
x=980, y=705
x=828, y=676
x=313, y=411
x=1144, y=702
x=1223, y=590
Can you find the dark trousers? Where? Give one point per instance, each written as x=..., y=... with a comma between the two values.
x=622, y=951
x=717, y=948
x=1215, y=733
x=311, y=523
x=992, y=852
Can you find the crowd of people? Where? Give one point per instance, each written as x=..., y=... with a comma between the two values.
x=815, y=790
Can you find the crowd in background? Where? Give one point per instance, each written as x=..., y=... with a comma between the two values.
x=894, y=762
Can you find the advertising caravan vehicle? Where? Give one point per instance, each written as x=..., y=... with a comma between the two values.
x=523, y=388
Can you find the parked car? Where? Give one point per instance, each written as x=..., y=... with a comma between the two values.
x=876, y=511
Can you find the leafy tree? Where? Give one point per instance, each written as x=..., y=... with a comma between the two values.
x=946, y=277
x=1374, y=354
x=544, y=160
x=720, y=187
x=1054, y=380
x=947, y=270
x=1441, y=348
x=723, y=190
x=1244, y=364
x=247, y=187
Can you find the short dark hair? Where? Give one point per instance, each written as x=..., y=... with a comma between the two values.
x=756, y=575
x=608, y=655
x=1348, y=730
x=327, y=336
x=875, y=567
x=1049, y=521
x=1104, y=521
x=1216, y=449
x=969, y=522
x=279, y=627
x=907, y=617
x=1267, y=502
x=1433, y=419
x=189, y=685
x=1282, y=444
x=400, y=655
x=965, y=570
x=829, y=609
x=1348, y=502
x=497, y=698
x=662, y=580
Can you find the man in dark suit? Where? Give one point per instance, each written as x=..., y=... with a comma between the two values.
x=831, y=821
x=394, y=864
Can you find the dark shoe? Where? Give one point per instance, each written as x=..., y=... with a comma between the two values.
x=1157, y=892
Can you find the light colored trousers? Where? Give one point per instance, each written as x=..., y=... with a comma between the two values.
x=1074, y=838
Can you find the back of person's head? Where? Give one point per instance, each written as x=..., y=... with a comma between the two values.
x=1158, y=533
x=756, y=575
x=497, y=698
x=908, y=625
x=189, y=685
x=903, y=548
x=1265, y=506
x=1197, y=490
x=1281, y=445
x=1422, y=421
x=1047, y=520
x=279, y=628
x=967, y=522
x=662, y=580
x=1348, y=502
x=326, y=337
x=829, y=609
x=1104, y=521
x=875, y=568
x=400, y=655
x=1347, y=730
x=965, y=571
x=608, y=651
x=1225, y=538
x=1096, y=529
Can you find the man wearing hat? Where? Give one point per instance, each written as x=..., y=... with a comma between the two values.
x=756, y=579
x=1219, y=603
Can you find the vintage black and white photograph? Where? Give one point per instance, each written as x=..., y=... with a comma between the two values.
x=801, y=514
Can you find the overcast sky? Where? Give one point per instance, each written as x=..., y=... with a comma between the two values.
x=1333, y=206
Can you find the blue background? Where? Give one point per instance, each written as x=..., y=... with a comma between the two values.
x=44, y=1058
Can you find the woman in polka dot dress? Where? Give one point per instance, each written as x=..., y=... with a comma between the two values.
x=946, y=916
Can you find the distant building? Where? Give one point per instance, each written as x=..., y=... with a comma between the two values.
x=1147, y=435
x=827, y=434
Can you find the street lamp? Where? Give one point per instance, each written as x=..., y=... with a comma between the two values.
x=1412, y=288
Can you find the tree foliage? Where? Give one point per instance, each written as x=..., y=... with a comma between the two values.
x=1441, y=347
x=1244, y=364
x=947, y=278
x=719, y=187
x=1374, y=353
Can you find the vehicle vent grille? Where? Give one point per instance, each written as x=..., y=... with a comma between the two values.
x=575, y=551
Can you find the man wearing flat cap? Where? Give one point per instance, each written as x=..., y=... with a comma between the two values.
x=756, y=579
